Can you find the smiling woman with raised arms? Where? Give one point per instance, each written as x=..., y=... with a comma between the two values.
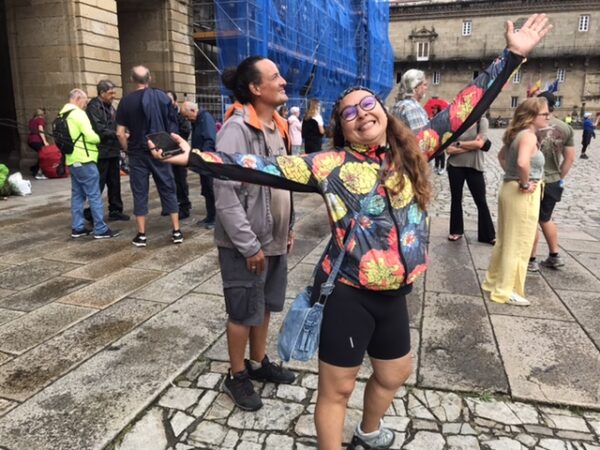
x=377, y=168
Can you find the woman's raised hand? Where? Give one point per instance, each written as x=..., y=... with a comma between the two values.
x=530, y=34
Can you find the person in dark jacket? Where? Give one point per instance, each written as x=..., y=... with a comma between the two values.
x=588, y=134
x=204, y=136
x=102, y=116
x=142, y=112
x=313, y=129
x=180, y=173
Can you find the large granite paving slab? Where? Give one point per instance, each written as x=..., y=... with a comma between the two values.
x=180, y=281
x=458, y=351
x=313, y=226
x=31, y=329
x=6, y=315
x=572, y=276
x=451, y=268
x=85, y=250
x=29, y=373
x=43, y=293
x=545, y=304
x=4, y=357
x=585, y=306
x=576, y=245
x=110, y=264
x=111, y=289
x=481, y=254
x=34, y=272
x=549, y=360
x=302, y=248
x=89, y=406
x=591, y=261
x=6, y=406
x=171, y=257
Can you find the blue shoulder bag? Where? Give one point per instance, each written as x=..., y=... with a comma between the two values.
x=300, y=331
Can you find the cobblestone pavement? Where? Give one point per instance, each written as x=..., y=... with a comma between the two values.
x=106, y=346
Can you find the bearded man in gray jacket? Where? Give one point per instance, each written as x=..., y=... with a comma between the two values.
x=253, y=228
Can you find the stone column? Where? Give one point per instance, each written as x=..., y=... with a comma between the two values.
x=158, y=34
x=56, y=46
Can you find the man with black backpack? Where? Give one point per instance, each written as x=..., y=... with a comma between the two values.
x=74, y=135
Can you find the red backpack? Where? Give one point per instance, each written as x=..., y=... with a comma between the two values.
x=52, y=162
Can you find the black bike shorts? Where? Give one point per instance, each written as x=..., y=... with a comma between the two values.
x=356, y=321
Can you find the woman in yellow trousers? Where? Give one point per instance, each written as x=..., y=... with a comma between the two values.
x=518, y=203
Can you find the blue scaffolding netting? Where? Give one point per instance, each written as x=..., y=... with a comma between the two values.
x=321, y=46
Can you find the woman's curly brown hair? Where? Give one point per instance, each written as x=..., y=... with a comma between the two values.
x=404, y=157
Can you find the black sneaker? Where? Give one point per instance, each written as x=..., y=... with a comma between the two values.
x=269, y=371
x=107, y=234
x=80, y=233
x=240, y=389
x=584, y=156
x=139, y=240
x=177, y=237
x=117, y=215
x=184, y=214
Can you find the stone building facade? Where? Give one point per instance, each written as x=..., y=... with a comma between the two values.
x=452, y=41
x=48, y=47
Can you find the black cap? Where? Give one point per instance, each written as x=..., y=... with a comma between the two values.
x=550, y=97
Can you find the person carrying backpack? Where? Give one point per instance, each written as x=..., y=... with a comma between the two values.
x=80, y=149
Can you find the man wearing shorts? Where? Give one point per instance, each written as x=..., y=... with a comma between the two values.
x=559, y=150
x=253, y=229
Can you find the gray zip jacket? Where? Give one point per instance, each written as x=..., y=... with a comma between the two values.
x=244, y=219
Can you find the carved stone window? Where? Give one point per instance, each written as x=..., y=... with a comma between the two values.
x=467, y=27
x=423, y=43
x=584, y=23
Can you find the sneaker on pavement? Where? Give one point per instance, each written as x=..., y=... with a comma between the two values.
x=516, y=300
x=584, y=156
x=209, y=225
x=117, y=215
x=177, y=237
x=184, y=214
x=372, y=441
x=107, y=234
x=533, y=266
x=40, y=176
x=241, y=390
x=80, y=233
x=139, y=240
x=554, y=262
x=269, y=371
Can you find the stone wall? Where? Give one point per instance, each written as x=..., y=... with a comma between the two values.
x=456, y=57
x=56, y=46
x=158, y=34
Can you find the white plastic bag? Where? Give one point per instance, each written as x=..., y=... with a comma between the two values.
x=19, y=185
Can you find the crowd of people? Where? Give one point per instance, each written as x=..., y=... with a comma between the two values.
x=374, y=179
